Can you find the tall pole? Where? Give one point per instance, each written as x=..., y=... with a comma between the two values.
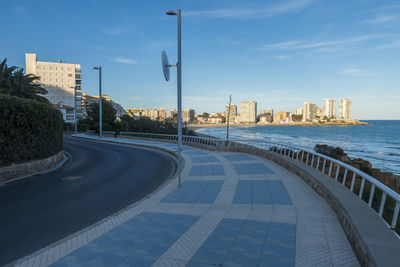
x=229, y=114
x=76, y=127
x=179, y=85
x=100, y=107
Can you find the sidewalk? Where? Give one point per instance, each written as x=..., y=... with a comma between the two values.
x=232, y=209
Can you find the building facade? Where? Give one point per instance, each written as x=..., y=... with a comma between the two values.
x=345, y=108
x=59, y=79
x=232, y=113
x=162, y=113
x=309, y=111
x=248, y=111
x=188, y=115
x=329, y=108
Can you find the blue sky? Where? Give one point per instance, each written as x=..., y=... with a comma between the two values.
x=279, y=53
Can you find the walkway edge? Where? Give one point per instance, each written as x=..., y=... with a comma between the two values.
x=372, y=241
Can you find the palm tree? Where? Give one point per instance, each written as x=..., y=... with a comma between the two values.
x=13, y=81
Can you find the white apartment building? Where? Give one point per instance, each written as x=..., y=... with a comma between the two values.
x=188, y=115
x=309, y=111
x=345, y=108
x=329, y=107
x=60, y=80
x=248, y=111
x=232, y=113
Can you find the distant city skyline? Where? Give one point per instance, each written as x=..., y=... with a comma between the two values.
x=279, y=53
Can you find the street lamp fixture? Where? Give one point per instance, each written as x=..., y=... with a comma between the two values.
x=100, y=103
x=179, y=89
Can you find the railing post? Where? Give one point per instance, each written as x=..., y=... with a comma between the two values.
x=362, y=187
x=344, y=176
x=302, y=155
x=312, y=160
x=318, y=159
x=337, y=172
x=330, y=168
x=353, y=181
x=323, y=166
x=383, y=200
x=371, y=195
x=395, y=215
x=307, y=158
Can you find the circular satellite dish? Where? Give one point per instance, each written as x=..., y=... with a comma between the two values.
x=165, y=65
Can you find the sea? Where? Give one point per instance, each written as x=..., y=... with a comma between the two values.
x=379, y=143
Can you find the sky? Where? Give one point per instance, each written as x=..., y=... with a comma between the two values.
x=279, y=53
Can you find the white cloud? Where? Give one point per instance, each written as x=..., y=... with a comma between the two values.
x=283, y=57
x=242, y=13
x=296, y=44
x=382, y=19
x=123, y=60
x=395, y=44
x=353, y=72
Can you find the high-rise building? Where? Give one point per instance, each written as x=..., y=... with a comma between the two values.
x=345, y=108
x=328, y=107
x=232, y=113
x=162, y=113
x=248, y=111
x=188, y=115
x=59, y=79
x=267, y=111
x=309, y=111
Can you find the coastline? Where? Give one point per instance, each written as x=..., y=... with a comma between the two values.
x=195, y=127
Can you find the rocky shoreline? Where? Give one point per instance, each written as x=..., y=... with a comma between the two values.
x=389, y=179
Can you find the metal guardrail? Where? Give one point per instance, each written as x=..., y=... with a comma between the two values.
x=385, y=203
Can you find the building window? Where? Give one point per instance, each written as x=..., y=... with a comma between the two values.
x=69, y=75
x=39, y=67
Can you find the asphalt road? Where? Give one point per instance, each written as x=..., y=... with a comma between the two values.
x=99, y=180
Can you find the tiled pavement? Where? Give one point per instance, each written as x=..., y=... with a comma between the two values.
x=232, y=209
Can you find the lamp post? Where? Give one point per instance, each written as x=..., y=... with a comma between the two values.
x=179, y=87
x=100, y=103
x=76, y=127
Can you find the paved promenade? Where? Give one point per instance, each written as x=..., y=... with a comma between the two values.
x=232, y=209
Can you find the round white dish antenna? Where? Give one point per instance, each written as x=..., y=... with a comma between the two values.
x=165, y=65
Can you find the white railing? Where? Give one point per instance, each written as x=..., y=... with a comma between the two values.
x=379, y=197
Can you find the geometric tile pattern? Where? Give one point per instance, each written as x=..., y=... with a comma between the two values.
x=196, y=153
x=138, y=242
x=264, y=192
x=194, y=191
x=238, y=157
x=205, y=159
x=251, y=168
x=207, y=170
x=237, y=242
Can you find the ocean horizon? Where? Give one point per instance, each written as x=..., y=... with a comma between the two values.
x=379, y=143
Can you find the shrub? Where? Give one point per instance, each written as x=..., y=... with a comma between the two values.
x=29, y=130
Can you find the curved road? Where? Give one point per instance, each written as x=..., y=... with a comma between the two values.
x=99, y=180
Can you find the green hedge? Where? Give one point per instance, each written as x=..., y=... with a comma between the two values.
x=29, y=130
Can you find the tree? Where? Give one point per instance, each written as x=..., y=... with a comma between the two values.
x=107, y=113
x=13, y=81
x=206, y=115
